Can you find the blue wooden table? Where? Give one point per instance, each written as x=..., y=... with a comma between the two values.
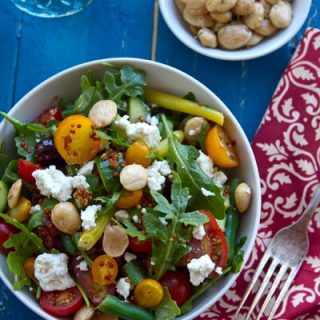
x=32, y=49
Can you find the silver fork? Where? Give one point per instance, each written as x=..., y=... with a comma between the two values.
x=286, y=253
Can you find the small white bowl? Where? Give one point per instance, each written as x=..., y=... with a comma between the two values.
x=181, y=30
x=66, y=84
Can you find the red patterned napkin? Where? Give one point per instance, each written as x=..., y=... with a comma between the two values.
x=287, y=149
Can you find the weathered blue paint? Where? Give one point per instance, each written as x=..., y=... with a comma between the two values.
x=32, y=49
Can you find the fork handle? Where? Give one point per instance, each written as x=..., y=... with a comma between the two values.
x=308, y=212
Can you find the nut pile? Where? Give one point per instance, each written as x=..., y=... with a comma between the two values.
x=233, y=24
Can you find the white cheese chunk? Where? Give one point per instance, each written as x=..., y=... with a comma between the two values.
x=207, y=193
x=86, y=168
x=51, y=270
x=199, y=269
x=35, y=208
x=128, y=256
x=53, y=183
x=88, y=216
x=199, y=232
x=163, y=221
x=149, y=134
x=123, y=287
x=157, y=173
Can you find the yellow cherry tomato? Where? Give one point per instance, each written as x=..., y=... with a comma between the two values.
x=148, y=293
x=104, y=270
x=220, y=148
x=138, y=153
x=76, y=140
x=28, y=267
x=129, y=199
x=21, y=211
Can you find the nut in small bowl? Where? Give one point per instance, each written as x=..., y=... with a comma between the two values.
x=234, y=29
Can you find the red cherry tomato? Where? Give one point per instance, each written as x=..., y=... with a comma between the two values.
x=51, y=114
x=61, y=303
x=220, y=243
x=143, y=246
x=25, y=170
x=214, y=243
x=178, y=285
x=6, y=231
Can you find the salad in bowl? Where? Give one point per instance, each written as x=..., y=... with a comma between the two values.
x=124, y=201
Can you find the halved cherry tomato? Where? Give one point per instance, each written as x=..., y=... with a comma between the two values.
x=25, y=170
x=220, y=148
x=129, y=199
x=28, y=267
x=214, y=243
x=51, y=114
x=138, y=153
x=96, y=292
x=143, y=246
x=178, y=285
x=104, y=270
x=148, y=293
x=76, y=140
x=6, y=231
x=219, y=242
x=21, y=211
x=61, y=303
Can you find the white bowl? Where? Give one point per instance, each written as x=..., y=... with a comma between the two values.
x=181, y=30
x=66, y=84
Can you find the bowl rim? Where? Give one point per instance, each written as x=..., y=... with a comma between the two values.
x=234, y=55
x=250, y=242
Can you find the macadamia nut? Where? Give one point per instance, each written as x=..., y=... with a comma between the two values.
x=207, y=38
x=134, y=177
x=234, y=36
x=204, y=21
x=254, y=19
x=103, y=113
x=281, y=14
x=220, y=5
x=266, y=28
x=243, y=7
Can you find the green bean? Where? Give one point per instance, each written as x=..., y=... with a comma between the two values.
x=124, y=310
x=232, y=221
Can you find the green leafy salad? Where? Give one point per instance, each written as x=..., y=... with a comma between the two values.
x=120, y=204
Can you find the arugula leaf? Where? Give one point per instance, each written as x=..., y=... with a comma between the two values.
x=184, y=157
x=170, y=242
x=167, y=309
x=36, y=220
x=113, y=137
x=24, y=248
x=133, y=231
x=110, y=174
x=132, y=82
x=34, y=239
x=4, y=162
x=27, y=135
x=48, y=203
x=10, y=174
x=238, y=256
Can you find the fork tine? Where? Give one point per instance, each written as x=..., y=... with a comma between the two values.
x=263, y=285
x=260, y=267
x=273, y=288
x=292, y=274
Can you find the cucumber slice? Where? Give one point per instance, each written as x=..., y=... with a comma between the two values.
x=3, y=196
x=137, y=109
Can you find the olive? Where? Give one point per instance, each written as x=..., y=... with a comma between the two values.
x=46, y=153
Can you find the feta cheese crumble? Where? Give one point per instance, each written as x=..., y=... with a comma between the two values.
x=128, y=256
x=157, y=173
x=86, y=168
x=148, y=133
x=207, y=193
x=82, y=266
x=163, y=221
x=200, y=269
x=51, y=270
x=35, y=208
x=135, y=218
x=88, y=216
x=53, y=183
x=219, y=270
x=123, y=287
x=206, y=165
x=199, y=232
